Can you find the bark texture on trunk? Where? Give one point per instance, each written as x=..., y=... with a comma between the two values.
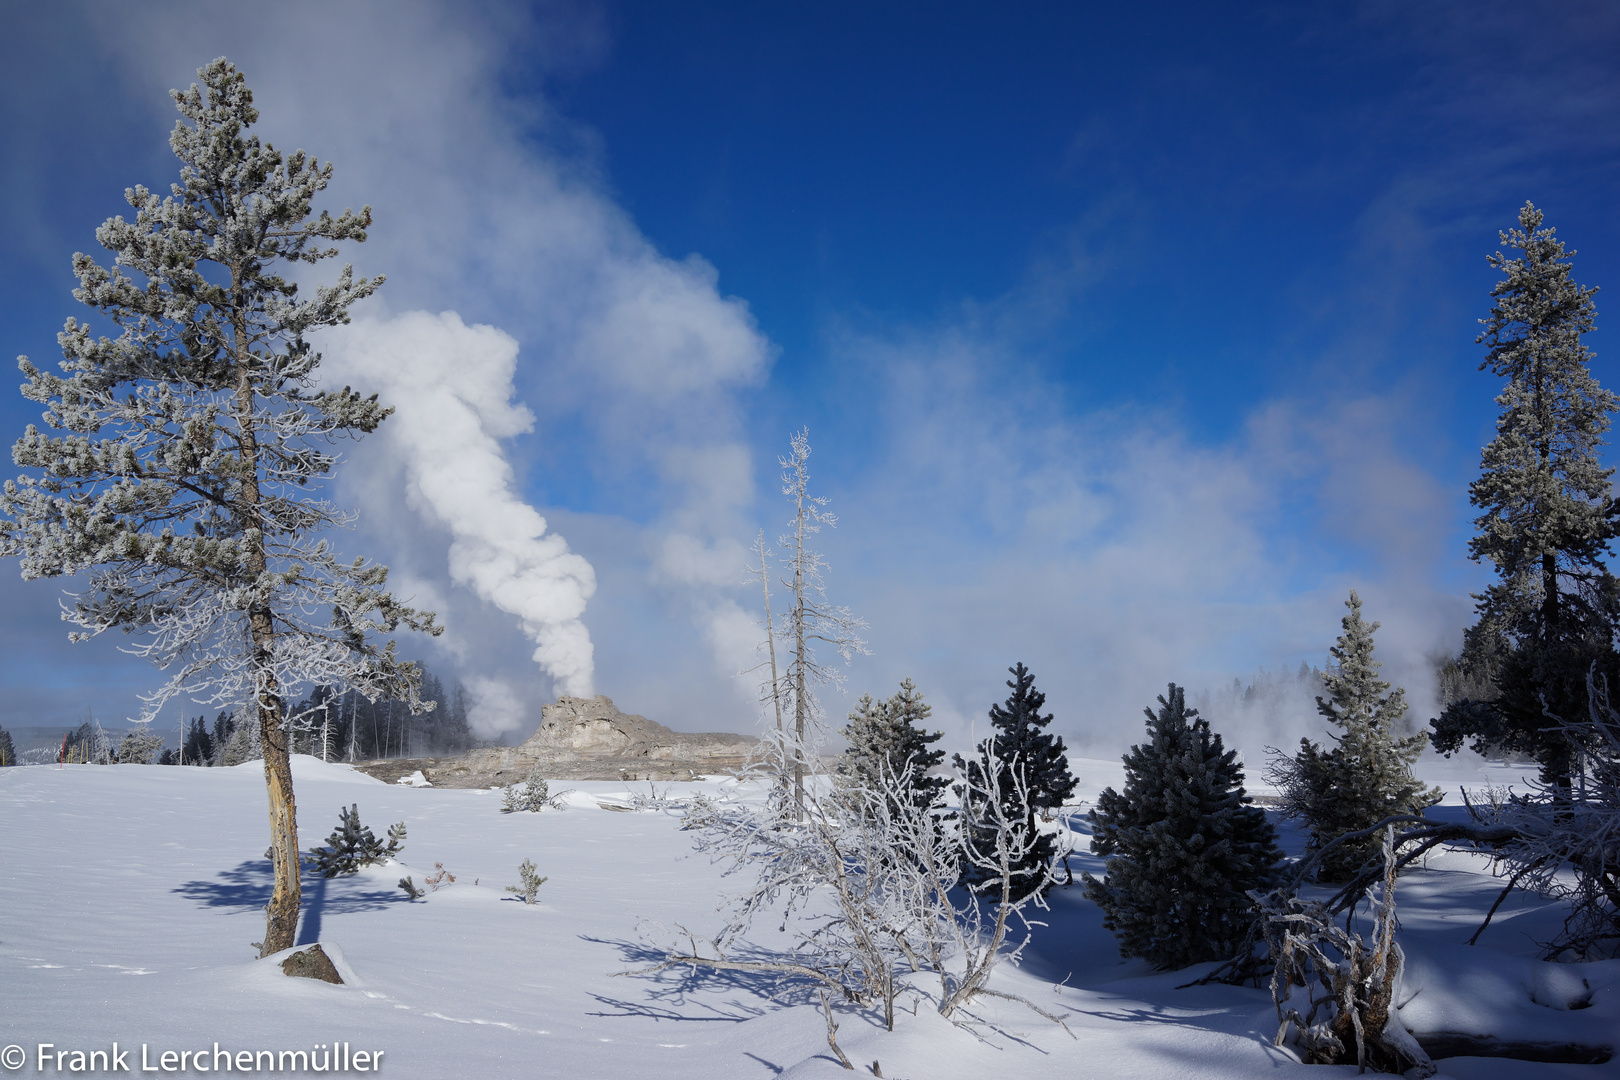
x=281, y=914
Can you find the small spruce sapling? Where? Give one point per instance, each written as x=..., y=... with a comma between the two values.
x=532, y=794
x=411, y=891
x=352, y=845
x=529, y=882
x=1183, y=845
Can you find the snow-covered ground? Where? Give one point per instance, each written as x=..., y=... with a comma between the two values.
x=129, y=896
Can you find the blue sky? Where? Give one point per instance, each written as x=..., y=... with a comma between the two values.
x=1129, y=338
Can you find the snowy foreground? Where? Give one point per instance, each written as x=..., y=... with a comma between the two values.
x=129, y=896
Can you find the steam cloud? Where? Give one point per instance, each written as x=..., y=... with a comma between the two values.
x=451, y=388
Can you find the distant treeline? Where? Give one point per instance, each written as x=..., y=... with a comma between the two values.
x=343, y=727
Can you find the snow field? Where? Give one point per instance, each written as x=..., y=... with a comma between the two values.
x=129, y=896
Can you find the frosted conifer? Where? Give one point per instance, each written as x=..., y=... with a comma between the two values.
x=353, y=845
x=1367, y=775
x=1036, y=758
x=139, y=746
x=1183, y=846
x=887, y=741
x=8, y=750
x=1548, y=515
x=181, y=488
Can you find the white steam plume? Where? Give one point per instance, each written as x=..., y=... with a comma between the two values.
x=451, y=388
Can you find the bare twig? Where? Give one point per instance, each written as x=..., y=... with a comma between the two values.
x=832, y=1031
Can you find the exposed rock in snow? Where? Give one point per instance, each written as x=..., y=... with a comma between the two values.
x=312, y=963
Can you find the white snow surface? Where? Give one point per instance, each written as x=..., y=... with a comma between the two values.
x=129, y=896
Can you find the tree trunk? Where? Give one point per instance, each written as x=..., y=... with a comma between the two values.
x=281, y=914
x=798, y=720
x=800, y=676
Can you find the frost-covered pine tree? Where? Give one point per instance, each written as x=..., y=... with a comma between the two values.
x=1035, y=758
x=1367, y=775
x=139, y=746
x=8, y=750
x=1183, y=846
x=887, y=740
x=1548, y=515
x=180, y=484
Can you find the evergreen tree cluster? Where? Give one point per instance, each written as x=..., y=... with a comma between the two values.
x=362, y=730
x=888, y=743
x=87, y=744
x=347, y=726
x=8, y=750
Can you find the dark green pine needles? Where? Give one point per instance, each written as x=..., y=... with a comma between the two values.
x=1183, y=845
x=1030, y=751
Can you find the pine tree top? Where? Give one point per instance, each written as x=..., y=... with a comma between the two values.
x=1358, y=700
x=1020, y=734
x=1182, y=768
x=1540, y=311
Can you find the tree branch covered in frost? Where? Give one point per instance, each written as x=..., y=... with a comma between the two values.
x=811, y=619
x=867, y=884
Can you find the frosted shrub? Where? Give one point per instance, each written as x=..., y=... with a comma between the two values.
x=867, y=883
x=533, y=794
x=352, y=845
x=529, y=882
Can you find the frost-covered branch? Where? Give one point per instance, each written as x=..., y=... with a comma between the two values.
x=868, y=884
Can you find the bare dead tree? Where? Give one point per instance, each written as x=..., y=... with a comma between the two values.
x=867, y=885
x=772, y=689
x=811, y=620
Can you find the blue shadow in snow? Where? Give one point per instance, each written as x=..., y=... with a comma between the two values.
x=248, y=885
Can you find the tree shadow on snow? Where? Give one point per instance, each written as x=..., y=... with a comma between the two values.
x=671, y=994
x=248, y=885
